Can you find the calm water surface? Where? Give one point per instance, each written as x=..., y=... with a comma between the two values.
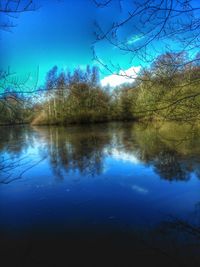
x=103, y=195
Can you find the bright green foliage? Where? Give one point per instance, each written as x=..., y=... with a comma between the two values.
x=74, y=98
x=168, y=90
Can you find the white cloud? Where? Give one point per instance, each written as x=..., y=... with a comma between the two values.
x=134, y=39
x=123, y=156
x=139, y=189
x=124, y=76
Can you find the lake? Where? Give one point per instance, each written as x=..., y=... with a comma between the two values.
x=100, y=195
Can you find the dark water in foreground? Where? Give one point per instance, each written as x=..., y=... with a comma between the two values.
x=104, y=195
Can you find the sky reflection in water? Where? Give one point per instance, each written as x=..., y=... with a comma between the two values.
x=103, y=175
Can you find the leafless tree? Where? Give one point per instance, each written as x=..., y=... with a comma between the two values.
x=168, y=22
x=146, y=29
x=10, y=10
x=152, y=21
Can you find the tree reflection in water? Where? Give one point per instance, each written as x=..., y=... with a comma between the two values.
x=84, y=148
x=173, y=150
x=170, y=152
x=76, y=148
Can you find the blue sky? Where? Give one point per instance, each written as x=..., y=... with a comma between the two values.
x=61, y=33
x=58, y=33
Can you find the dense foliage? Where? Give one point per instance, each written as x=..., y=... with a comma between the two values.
x=73, y=98
x=167, y=90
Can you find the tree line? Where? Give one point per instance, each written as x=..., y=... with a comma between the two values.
x=169, y=89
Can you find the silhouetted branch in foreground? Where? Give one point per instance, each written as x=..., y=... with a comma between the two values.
x=8, y=169
x=11, y=10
